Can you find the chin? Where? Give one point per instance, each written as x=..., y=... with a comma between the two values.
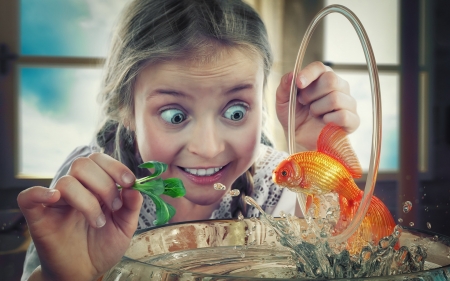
x=202, y=201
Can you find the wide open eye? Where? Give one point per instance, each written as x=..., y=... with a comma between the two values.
x=173, y=116
x=235, y=112
x=284, y=173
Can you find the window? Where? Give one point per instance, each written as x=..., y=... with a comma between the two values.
x=51, y=88
x=53, y=50
x=335, y=42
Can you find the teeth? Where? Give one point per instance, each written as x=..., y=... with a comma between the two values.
x=203, y=172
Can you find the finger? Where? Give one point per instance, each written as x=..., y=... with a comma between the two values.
x=81, y=199
x=334, y=101
x=310, y=73
x=97, y=173
x=322, y=86
x=31, y=201
x=284, y=89
x=127, y=216
x=115, y=169
x=346, y=119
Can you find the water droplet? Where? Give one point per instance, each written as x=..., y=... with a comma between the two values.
x=411, y=224
x=400, y=220
x=234, y=192
x=219, y=186
x=407, y=206
x=429, y=225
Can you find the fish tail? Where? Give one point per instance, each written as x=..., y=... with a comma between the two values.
x=381, y=220
x=377, y=223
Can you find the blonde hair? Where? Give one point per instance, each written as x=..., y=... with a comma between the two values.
x=154, y=30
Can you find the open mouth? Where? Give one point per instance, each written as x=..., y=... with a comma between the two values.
x=202, y=172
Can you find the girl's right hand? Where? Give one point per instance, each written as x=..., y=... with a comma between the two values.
x=83, y=226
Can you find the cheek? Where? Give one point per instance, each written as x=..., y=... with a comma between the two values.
x=246, y=140
x=151, y=144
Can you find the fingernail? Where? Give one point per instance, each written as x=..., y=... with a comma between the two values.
x=288, y=78
x=101, y=221
x=128, y=178
x=117, y=204
x=302, y=80
x=50, y=193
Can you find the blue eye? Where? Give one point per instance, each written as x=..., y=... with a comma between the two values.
x=235, y=112
x=174, y=116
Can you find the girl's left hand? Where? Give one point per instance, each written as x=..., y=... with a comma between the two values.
x=322, y=97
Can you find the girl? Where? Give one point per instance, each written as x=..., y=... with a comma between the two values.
x=184, y=85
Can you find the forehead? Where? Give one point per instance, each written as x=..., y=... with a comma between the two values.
x=216, y=65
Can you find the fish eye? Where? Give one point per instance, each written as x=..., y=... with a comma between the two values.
x=235, y=112
x=284, y=173
x=174, y=116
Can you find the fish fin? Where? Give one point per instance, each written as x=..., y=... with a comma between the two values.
x=333, y=141
x=377, y=223
x=311, y=199
x=380, y=218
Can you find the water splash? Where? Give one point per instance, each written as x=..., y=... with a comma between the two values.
x=219, y=186
x=407, y=206
x=235, y=192
x=315, y=257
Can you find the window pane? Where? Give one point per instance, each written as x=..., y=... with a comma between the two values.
x=380, y=20
x=57, y=112
x=361, y=139
x=67, y=28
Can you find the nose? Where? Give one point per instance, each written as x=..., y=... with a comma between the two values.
x=206, y=140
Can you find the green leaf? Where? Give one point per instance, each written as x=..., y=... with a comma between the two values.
x=155, y=186
x=158, y=166
x=171, y=209
x=163, y=214
x=174, y=187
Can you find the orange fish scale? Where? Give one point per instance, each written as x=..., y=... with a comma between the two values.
x=324, y=174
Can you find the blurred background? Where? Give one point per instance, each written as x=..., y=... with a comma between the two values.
x=51, y=56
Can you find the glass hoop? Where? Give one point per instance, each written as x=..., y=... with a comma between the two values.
x=376, y=112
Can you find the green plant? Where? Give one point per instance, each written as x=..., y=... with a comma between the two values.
x=154, y=186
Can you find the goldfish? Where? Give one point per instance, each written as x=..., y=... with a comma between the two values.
x=333, y=168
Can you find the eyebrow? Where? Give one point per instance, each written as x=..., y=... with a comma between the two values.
x=176, y=93
x=165, y=92
x=240, y=87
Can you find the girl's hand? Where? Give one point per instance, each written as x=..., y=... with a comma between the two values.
x=83, y=226
x=322, y=97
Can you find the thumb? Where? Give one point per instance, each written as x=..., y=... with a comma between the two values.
x=127, y=216
x=31, y=201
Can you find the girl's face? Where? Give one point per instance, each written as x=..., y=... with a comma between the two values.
x=201, y=118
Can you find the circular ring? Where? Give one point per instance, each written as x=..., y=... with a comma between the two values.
x=376, y=111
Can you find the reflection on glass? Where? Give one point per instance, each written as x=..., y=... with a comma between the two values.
x=380, y=20
x=361, y=138
x=57, y=112
x=75, y=28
